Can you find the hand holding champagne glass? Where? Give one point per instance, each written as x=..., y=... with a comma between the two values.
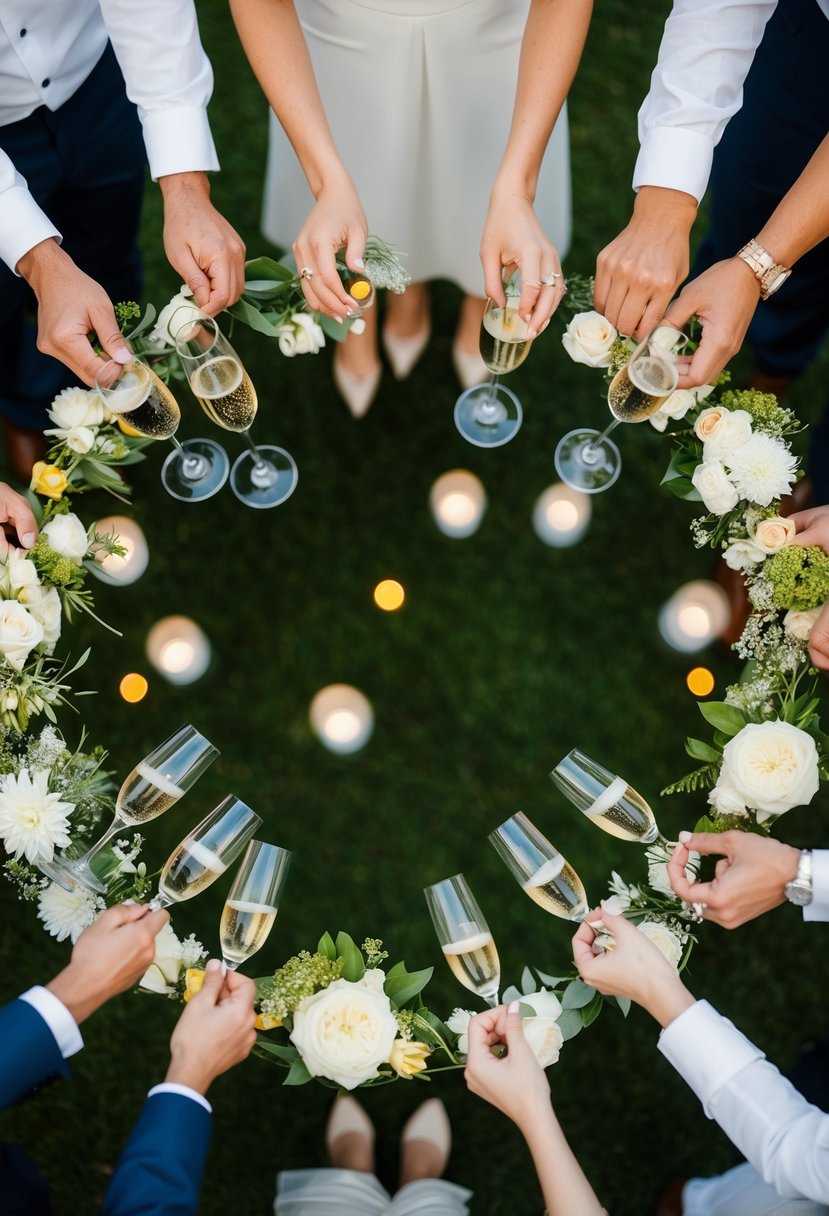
x=490, y=415
x=607, y=800
x=589, y=461
x=264, y=476
x=151, y=788
x=543, y=873
x=206, y=852
x=251, y=906
x=465, y=937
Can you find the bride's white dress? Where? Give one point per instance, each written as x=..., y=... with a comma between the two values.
x=419, y=95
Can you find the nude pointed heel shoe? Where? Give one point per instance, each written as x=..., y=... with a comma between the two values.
x=403, y=353
x=357, y=392
x=469, y=368
x=347, y=1115
x=430, y=1122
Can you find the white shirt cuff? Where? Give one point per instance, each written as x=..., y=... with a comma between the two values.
x=676, y=158
x=818, y=909
x=178, y=140
x=184, y=1091
x=57, y=1017
x=706, y=1050
x=22, y=225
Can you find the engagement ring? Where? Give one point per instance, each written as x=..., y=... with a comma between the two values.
x=549, y=280
x=306, y=272
x=699, y=910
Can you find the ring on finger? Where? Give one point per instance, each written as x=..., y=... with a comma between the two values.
x=306, y=272
x=699, y=910
x=550, y=280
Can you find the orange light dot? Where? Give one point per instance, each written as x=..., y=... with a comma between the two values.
x=700, y=681
x=133, y=687
x=360, y=289
x=389, y=595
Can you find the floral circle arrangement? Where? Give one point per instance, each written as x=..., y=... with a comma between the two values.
x=336, y=1014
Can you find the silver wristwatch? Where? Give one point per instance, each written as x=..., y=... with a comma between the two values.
x=799, y=890
x=770, y=274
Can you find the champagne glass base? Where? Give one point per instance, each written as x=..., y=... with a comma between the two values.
x=488, y=415
x=72, y=876
x=585, y=464
x=196, y=471
x=267, y=483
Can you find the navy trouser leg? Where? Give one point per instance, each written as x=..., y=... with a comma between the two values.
x=85, y=166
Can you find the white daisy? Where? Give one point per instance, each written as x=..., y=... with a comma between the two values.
x=762, y=469
x=67, y=913
x=33, y=822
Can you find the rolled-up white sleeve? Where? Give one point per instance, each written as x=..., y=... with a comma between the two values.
x=784, y=1137
x=696, y=87
x=818, y=909
x=22, y=223
x=168, y=77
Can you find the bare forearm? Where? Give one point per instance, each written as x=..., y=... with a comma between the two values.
x=801, y=219
x=563, y=1183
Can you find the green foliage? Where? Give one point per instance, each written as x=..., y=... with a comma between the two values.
x=799, y=577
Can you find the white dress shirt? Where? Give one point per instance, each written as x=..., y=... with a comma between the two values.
x=696, y=87
x=783, y=1136
x=47, y=50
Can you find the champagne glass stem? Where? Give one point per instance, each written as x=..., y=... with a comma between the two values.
x=192, y=467
x=117, y=825
x=159, y=901
x=260, y=463
x=591, y=449
x=491, y=1000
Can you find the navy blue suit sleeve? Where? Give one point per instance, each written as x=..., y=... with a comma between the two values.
x=160, y=1170
x=29, y=1054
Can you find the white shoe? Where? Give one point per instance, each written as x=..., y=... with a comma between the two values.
x=347, y=1116
x=470, y=369
x=357, y=392
x=430, y=1122
x=403, y=353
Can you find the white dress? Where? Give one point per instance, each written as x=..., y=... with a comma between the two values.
x=419, y=95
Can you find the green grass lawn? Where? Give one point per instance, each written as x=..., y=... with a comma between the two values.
x=505, y=655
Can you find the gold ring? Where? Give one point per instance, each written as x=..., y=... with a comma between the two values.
x=550, y=280
x=306, y=272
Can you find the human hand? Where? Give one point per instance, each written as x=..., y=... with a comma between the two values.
x=512, y=236
x=812, y=527
x=514, y=1083
x=215, y=1031
x=748, y=879
x=200, y=244
x=633, y=967
x=337, y=219
x=639, y=271
x=16, y=520
x=723, y=298
x=109, y=957
x=70, y=305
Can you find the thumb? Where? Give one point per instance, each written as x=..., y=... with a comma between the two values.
x=514, y=1027
x=213, y=983
x=109, y=335
x=355, y=249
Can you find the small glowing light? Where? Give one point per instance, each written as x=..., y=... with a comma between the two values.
x=561, y=515
x=133, y=687
x=695, y=615
x=700, y=681
x=457, y=501
x=389, y=595
x=178, y=649
x=131, y=565
x=342, y=718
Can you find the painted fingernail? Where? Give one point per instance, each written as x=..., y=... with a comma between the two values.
x=339, y=320
x=513, y=1007
x=27, y=539
x=359, y=263
x=214, y=965
x=684, y=837
x=532, y=333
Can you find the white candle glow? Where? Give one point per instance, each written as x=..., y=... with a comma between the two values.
x=561, y=515
x=457, y=501
x=342, y=718
x=178, y=649
x=128, y=568
x=694, y=616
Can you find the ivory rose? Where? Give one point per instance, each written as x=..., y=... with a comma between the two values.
x=741, y=554
x=799, y=624
x=19, y=633
x=771, y=766
x=302, y=336
x=44, y=605
x=345, y=1032
x=174, y=316
x=67, y=536
x=715, y=489
x=588, y=339
x=541, y=1031
x=666, y=941
x=722, y=430
x=77, y=407
x=773, y=534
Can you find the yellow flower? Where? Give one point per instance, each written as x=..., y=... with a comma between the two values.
x=48, y=480
x=267, y=1021
x=408, y=1058
x=193, y=980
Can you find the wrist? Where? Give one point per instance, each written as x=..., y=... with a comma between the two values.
x=184, y=1069
x=184, y=184
x=672, y=207
x=38, y=261
x=72, y=988
x=668, y=1001
x=513, y=183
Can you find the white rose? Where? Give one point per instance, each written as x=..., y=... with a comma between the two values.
x=165, y=969
x=666, y=942
x=722, y=430
x=588, y=339
x=798, y=624
x=174, y=316
x=678, y=404
x=725, y=800
x=542, y=1031
x=44, y=605
x=309, y=335
x=773, y=534
x=80, y=439
x=773, y=766
x=715, y=489
x=19, y=633
x=77, y=407
x=658, y=421
x=458, y=1023
x=658, y=872
x=18, y=571
x=374, y=978
x=67, y=536
x=741, y=554
x=345, y=1033
x=287, y=341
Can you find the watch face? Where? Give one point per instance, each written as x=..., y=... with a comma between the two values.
x=797, y=894
x=777, y=283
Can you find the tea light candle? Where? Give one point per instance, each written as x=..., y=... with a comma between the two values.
x=458, y=501
x=342, y=718
x=561, y=515
x=127, y=569
x=694, y=616
x=178, y=648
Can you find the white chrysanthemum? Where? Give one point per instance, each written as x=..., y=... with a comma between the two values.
x=762, y=469
x=67, y=913
x=32, y=821
x=192, y=951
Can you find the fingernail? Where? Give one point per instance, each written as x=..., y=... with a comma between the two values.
x=27, y=539
x=214, y=965
x=513, y=1007
x=122, y=355
x=339, y=320
x=684, y=837
x=359, y=263
x=532, y=333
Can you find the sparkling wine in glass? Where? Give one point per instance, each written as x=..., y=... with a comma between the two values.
x=589, y=461
x=490, y=415
x=264, y=476
x=206, y=852
x=465, y=937
x=144, y=405
x=151, y=788
x=251, y=906
x=607, y=800
x=542, y=872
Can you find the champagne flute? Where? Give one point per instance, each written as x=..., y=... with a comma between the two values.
x=264, y=476
x=252, y=902
x=490, y=415
x=144, y=405
x=206, y=852
x=589, y=461
x=543, y=873
x=150, y=789
x=465, y=937
x=607, y=800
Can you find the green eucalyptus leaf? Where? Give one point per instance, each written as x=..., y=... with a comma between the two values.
x=283, y=1051
x=577, y=994
x=298, y=1074
x=590, y=1012
x=510, y=994
x=527, y=981
x=570, y=1023
x=265, y=268
x=726, y=718
x=401, y=988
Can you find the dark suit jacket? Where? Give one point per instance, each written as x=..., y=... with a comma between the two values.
x=160, y=1170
